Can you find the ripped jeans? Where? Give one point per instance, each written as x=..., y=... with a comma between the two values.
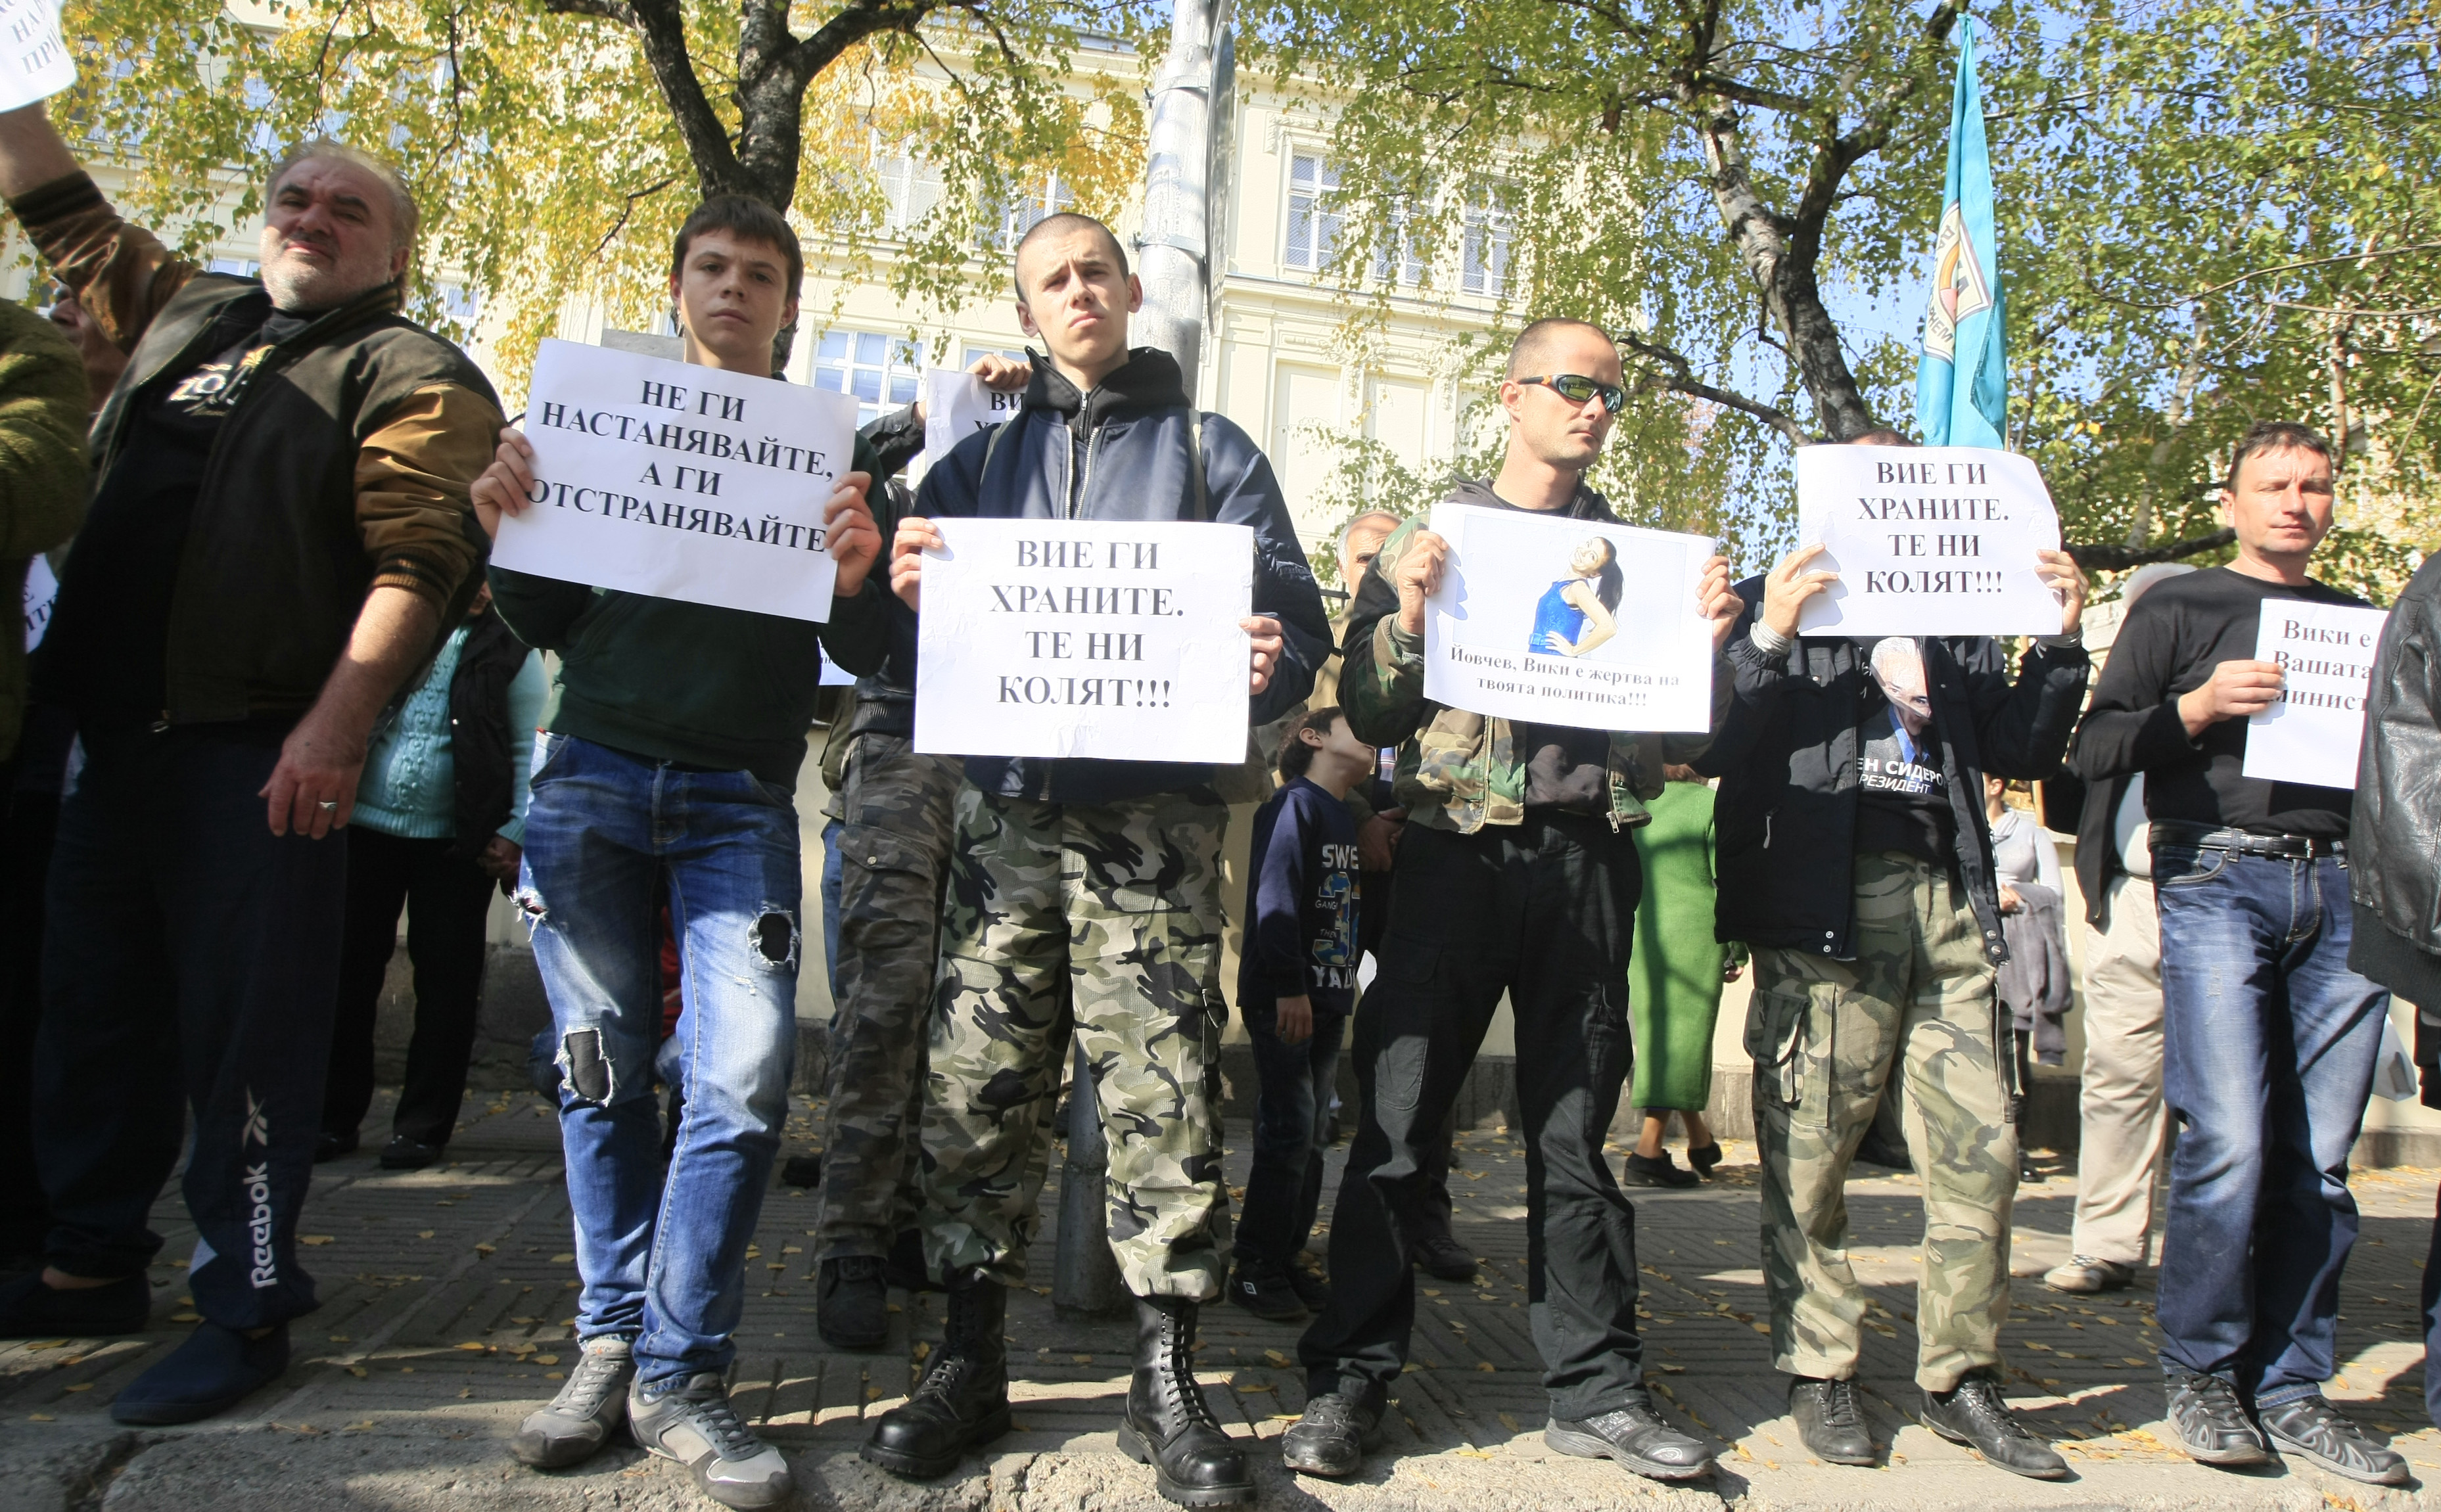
x=662, y=1259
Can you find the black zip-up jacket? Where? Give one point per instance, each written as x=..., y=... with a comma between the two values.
x=1122, y=452
x=482, y=745
x=1786, y=820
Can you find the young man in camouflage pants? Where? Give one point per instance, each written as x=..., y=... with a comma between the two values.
x=1856, y=859
x=1513, y=876
x=1085, y=898
x=893, y=845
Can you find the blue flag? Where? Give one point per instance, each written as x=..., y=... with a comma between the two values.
x=1962, y=383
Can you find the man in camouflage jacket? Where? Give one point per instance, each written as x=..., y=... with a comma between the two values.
x=1514, y=876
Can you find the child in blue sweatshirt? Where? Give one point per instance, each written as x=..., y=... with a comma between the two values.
x=1296, y=983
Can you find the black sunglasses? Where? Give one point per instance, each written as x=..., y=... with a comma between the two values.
x=1577, y=388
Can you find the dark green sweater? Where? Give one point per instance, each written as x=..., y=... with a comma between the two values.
x=43, y=396
x=665, y=680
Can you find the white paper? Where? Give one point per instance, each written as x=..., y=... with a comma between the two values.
x=957, y=405
x=42, y=592
x=2312, y=734
x=1926, y=540
x=1103, y=638
x=35, y=63
x=678, y=481
x=1500, y=634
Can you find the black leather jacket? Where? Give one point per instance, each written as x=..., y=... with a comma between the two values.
x=2395, y=831
x=1785, y=819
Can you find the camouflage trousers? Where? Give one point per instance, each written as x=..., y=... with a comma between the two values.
x=1113, y=909
x=1921, y=1001
x=897, y=822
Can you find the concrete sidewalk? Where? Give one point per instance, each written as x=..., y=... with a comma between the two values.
x=448, y=1292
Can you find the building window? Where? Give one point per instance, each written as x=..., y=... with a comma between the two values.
x=976, y=354
x=1313, y=228
x=1402, y=254
x=1484, y=266
x=880, y=370
x=910, y=188
x=236, y=267
x=1030, y=203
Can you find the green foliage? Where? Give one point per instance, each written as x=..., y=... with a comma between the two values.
x=548, y=161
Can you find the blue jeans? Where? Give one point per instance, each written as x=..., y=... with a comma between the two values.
x=2267, y=1058
x=1292, y=1114
x=834, y=876
x=664, y=1258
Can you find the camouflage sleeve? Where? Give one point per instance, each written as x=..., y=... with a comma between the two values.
x=1381, y=672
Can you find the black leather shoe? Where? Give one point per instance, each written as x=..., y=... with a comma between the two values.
x=850, y=1303
x=1440, y=1255
x=2212, y=1423
x=1168, y=1426
x=329, y=1146
x=2313, y=1429
x=1636, y=1437
x=1974, y=1415
x=1703, y=1158
x=1310, y=1287
x=962, y=1402
x=1831, y=1420
x=1337, y=1430
x=1266, y=1293
x=404, y=1154
x=29, y=1309
x=1659, y=1170
x=802, y=1171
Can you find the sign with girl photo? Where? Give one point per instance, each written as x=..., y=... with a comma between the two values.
x=1567, y=621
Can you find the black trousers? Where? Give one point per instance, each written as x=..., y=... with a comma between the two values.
x=189, y=954
x=1543, y=910
x=446, y=901
x=29, y=814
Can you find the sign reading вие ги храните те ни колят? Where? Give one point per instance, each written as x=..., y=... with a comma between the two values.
x=1926, y=540
x=681, y=481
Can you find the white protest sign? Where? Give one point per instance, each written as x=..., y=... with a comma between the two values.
x=35, y=63
x=2325, y=652
x=1566, y=622
x=682, y=482
x=1104, y=638
x=42, y=592
x=957, y=405
x=1926, y=540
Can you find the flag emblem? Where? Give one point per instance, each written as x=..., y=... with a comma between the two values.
x=1958, y=286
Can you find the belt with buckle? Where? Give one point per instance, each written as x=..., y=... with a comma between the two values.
x=2243, y=842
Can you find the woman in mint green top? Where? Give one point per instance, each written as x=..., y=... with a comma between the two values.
x=438, y=815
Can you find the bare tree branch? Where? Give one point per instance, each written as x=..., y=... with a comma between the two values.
x=1681, y=379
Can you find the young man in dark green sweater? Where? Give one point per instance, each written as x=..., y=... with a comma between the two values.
x=669, y=763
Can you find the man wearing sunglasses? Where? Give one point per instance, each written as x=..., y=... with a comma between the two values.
x=1514, y=875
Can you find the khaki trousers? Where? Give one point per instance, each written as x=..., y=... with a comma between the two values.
x=2120, y=1107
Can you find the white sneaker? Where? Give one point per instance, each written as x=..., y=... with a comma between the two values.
x=2084, y=1275
x=691, y=1421
x=580, y=1419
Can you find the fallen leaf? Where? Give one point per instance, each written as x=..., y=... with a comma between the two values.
x=561, y=1259
x=41, y=1418
x=556, y=1375
x=87, y=1386
x=1275, y=1357
x=424, y=1234
x=486, y=1249
x=1486, y=1366
x=182, y=1317
x=473, y=1346
x=312, y=1238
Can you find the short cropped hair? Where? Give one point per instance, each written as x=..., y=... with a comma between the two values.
x=1339, y=542
x=1884, y=436
x=1052, y=226
x=404, y=215
x=748, y=220
x=2276, y=436
x=1527, y=349
x=1295, y=755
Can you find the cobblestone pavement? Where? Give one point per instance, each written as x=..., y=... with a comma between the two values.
x=448, y=1294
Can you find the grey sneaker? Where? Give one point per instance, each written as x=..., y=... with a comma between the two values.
x=691, y=1421
x=2313, y=1429
x=580, y=1419
x=2211, y=1423
x=2085, y=1275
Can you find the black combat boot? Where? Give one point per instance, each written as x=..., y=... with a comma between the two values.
x=961, y=1403
x=1167, y=1425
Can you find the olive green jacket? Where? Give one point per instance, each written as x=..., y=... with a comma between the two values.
x=43, y=400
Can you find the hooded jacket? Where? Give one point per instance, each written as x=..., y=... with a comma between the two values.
x=1124, y=451
x=1786, y=758
x=1459, y=770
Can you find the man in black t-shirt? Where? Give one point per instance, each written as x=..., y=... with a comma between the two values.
x=2269, y=1039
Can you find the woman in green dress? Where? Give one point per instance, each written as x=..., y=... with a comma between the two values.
x=1675, y=977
